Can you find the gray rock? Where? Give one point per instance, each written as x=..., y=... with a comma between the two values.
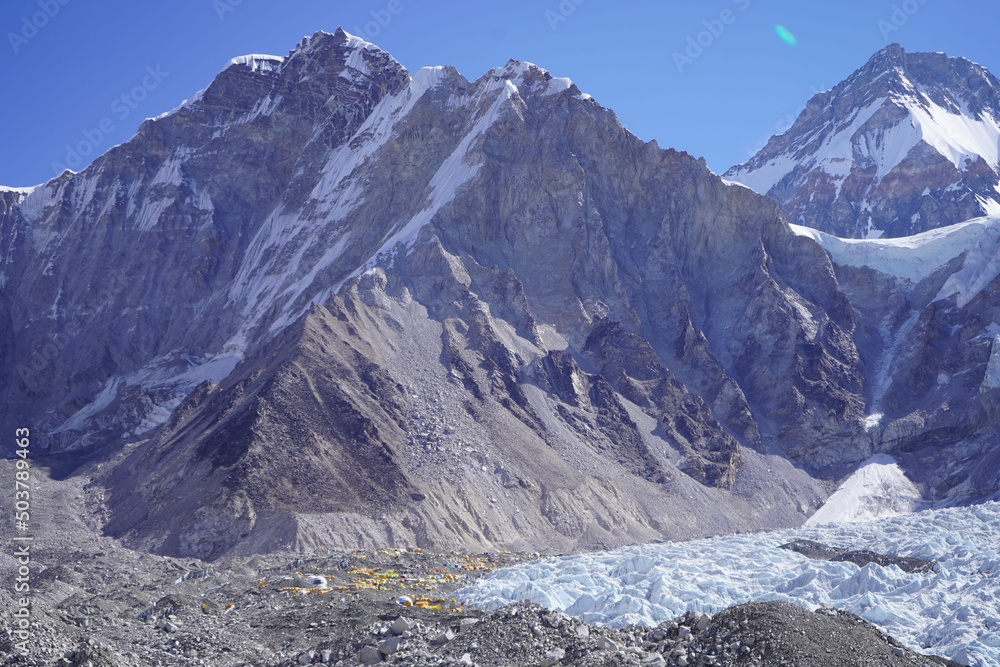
x=605, y=644
x=703, y=622
x=401, y=625
x=369, y=655
x=390, y=645
x=553, y=657
x=443, y=637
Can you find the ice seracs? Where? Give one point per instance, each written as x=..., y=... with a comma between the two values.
x=950, y=612
x=915, y=258
x=257, y=62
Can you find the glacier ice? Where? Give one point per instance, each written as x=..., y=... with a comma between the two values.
x=951, y=612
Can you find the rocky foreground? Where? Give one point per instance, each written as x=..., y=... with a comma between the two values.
x=96, y=603
x=262, y=611
x=117, y=608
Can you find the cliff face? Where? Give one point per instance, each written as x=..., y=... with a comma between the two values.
x=349, y=306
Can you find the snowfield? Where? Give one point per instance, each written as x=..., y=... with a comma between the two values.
x=877, y=489
x=917, y=257
x=953, y=612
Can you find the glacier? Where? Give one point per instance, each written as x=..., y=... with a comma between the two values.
x=952, y=612
x=917, y=257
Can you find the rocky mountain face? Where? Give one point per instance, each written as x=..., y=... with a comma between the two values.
x=927, y=330
x=907, y=143
x=353, y=306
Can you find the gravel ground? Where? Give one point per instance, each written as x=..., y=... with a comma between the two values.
x=97, y=604
x=388, y=606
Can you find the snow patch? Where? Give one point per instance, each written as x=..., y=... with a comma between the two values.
x=957, y=136
x=878, y=488
x=103, y=399
x=150, y=213
x=177, y=374
x=557, y=84
x=355, y=59
x=169, y=172
x=872, y=421
x=734, y=184
x=991, y=379
x=355, y=42
x=991, y=207
x=453, y=173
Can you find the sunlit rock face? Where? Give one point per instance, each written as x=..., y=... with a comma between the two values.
x=330, y=303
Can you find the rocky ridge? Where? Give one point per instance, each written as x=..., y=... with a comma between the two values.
x=486, y=287
x=459, y=313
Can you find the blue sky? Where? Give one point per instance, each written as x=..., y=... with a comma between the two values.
x=712, y=78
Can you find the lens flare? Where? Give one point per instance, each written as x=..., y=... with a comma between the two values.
x=785, y=35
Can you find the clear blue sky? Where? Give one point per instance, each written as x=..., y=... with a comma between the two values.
x=67, y=63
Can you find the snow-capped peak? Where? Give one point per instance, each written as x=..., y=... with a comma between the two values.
x=355, y=42
x=339, y=38
x=908, y=142
x=530, y=78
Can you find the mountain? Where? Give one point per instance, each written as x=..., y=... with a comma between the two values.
x=906, y=144
x=328, y=302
